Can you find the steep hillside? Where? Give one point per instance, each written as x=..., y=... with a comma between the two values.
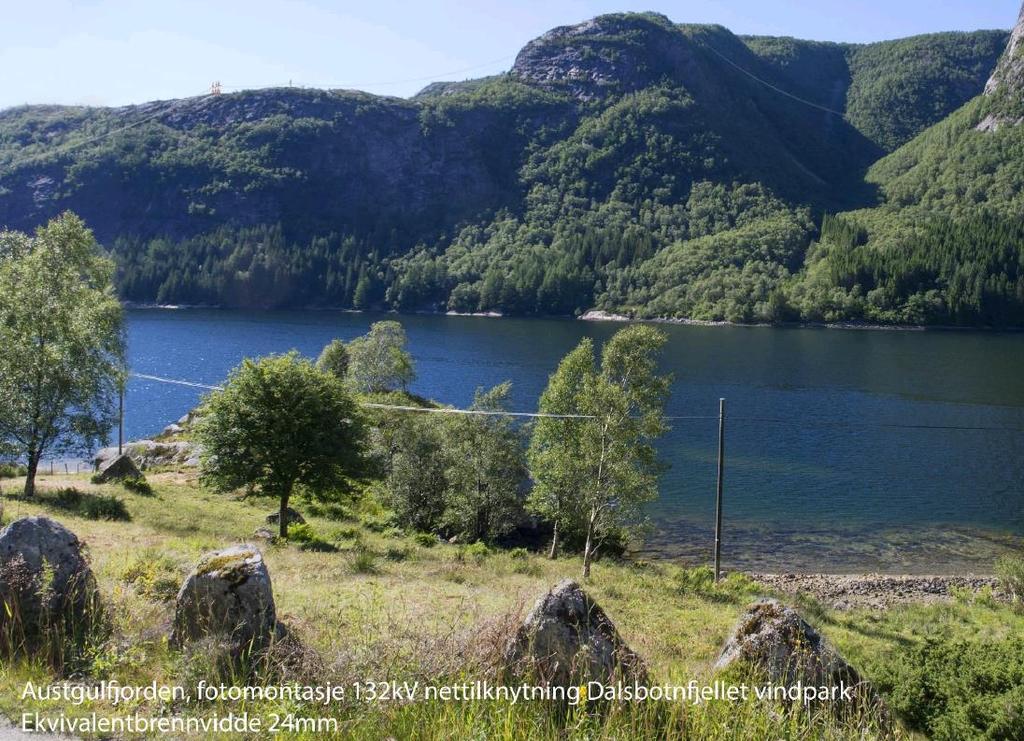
x=549, y=189
x=947, y=243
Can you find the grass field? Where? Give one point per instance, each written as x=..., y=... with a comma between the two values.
x=384, y=606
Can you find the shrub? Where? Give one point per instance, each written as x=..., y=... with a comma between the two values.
x=427, y=540
x=478, y=551
x=12, y=470
x=308, y=539
x=1010, y=570
x=101, y=507
x=377, y=523
x=393, y=532
x=91, y=506
x=138, y=485
x=953, y=690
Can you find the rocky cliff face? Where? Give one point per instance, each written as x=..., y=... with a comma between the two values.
x=1005, y=88
x=611, y=54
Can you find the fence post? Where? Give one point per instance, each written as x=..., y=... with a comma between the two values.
x=718, y=498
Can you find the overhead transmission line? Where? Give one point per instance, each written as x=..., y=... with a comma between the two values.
x=671, y=418
x=776, y=88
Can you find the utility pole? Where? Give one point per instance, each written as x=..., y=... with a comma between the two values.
x=120, y=420
x=718, y=499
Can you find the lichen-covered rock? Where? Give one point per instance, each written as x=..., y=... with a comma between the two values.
x=774, y=639
x=47, y=589
x=227, y=596
x=567, y=639
x=118, y=468
x=293, y=515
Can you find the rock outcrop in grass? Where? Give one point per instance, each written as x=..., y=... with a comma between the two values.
x=567, y=639
x=228, y=596
x=48, y=592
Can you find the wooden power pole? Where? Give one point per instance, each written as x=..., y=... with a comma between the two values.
x=718, y=498
x=120, y=421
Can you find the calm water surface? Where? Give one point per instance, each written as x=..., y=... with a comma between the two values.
x=822, y=472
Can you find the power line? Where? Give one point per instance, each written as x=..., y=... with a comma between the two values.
x=669, y=418
x=82, y=142
x=777, y=89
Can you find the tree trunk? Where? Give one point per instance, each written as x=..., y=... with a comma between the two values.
x=282, y=525
x=588, y=550
x=30, y=477
x=554, y=543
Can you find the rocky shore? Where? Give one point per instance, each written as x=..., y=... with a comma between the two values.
x=848, y=591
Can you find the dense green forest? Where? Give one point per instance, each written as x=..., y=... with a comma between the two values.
x=628, y=164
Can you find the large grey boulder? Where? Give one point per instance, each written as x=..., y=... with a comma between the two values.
x=228, y=596
x=774, y=639
x=46, y=586
x=117, y=469
x=567, y=639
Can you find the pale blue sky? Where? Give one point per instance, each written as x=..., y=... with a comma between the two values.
x=113, y=52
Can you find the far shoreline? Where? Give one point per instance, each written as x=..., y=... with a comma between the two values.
x=595, y=315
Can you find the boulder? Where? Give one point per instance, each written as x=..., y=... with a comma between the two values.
x=149, y=453
x=118, y=469
x=774, y=639
x=567, y=639
x=262, y=533
x=46, y=585
x=294, y=517
x=227, y=596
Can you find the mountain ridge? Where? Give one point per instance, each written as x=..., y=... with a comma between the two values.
x=547, y=189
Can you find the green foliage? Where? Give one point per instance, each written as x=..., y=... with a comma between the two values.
x=611, y=469
x=334, y=359
x=61, y=330
x=89, y=505
x=12, y=470
x=154, y=575
x=417, y=479
x=278, y=423
x=378, y=361
x=958, y=690
x=1010, y=570
x=427, y=540
x=138, y=485
x=485, y=468
x=308, y=538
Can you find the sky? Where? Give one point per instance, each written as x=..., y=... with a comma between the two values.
x=116, y=52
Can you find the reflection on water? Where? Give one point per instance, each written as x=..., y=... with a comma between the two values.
x=815, y=471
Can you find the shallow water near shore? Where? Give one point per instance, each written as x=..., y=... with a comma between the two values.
x=898, y=452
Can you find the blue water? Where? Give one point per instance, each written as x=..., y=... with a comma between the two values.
x=820, y=464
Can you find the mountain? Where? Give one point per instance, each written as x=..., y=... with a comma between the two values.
x=946, y=244
x=627, y=163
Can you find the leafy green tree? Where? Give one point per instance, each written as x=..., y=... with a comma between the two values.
x=62, y=345
x=617, y=468
x=279, y=423
x=417, y=477
x=486, y=468
x=555, y=457
x=378, y=361
x=334, y=359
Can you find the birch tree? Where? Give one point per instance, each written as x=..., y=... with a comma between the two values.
x=62, y=347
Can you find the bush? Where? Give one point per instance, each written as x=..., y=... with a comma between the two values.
x=377, y=523
x=1010, y=570
x=958, y=690
x=138, y=485
x=427, y=540
x=91, y=506
x=478, y=551
x=12, y=470
x=308, y=539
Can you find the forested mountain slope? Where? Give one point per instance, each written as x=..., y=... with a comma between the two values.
x=626, y=163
